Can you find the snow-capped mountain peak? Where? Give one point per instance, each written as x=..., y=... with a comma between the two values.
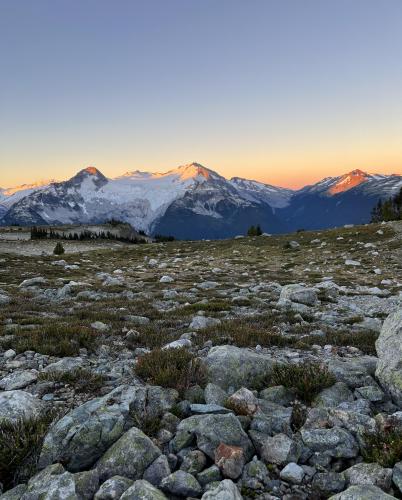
x=348, y=181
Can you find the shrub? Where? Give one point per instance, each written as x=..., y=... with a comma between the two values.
x=59, y=340
x=175, y=368
x=364, y=340
x=383, y=447
x=306, y=379
x=254, y=230
x=20, y=444
x=83, y=380
x=58, y=249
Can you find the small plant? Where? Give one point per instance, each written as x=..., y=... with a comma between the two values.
x=20, y=444
x=175, y=368
x=58, y=249
x=383, y=447
x=81, y=379
x=298, y=417
x=306, y=379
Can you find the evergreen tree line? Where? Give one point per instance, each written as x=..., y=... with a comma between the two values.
x=254, y=230
x=390, y=209
x=42, y=233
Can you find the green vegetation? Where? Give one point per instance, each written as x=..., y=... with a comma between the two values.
x=174, y=368
x=383, y=447
x=306, y=379
x=58, y=249
x=365, y=340
x=254, y=230
x=81, y=379
x=390, y=209
x=59, y=340
x=20, y=445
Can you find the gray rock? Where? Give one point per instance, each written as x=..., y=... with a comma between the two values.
x=328, y=483
x=33, y=282
x=334, y=395
x=372, y=473
x=335, y=442
x=233, y=367
x=65, y=365
x=225, y=490
x=137, y=320
x=397, y=475
x=15, y=405
x=209, y=475
x=351, y=371
x=86, y=432
x=129, y=456
x=142, y=490
x=277, y=394
x=370, y=392
x=255, y=475
x=53, y=483
x=86, y=484
x=280, y=450
x=215, y=395
x=182, y=484
x=211, y=430
x=158, y=470
x=18, y=380
x=201, y=409
x=194, y=462
x=201, y=322
x=113, y=488
x=389, y=351
x=292, y=473
x=365, y=492
x=15, y=493
x=300, y=294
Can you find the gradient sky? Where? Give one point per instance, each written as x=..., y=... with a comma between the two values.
x=283, y=91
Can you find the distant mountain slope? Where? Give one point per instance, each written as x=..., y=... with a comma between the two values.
x=335, y=201
x=193, y=202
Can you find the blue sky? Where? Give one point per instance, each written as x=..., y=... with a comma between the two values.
x=284, y=91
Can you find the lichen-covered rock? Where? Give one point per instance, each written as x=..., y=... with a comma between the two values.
x=335, y=442
x=300, y=294
x=234, y=367
x=53, y=483
x=85, y=433
x=211, y=430
x=225, y=490
x=15, y=405
x=158, y=470
x=181, y=483
x=371, y=473
x=280, y=449
x=113, y=488
x=360, y=492
x=334, y=395
x=142, y=490
x=328, y=483
x=389, y=351
x=129, y=456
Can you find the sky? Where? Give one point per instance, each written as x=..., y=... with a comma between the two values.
x=282, y=91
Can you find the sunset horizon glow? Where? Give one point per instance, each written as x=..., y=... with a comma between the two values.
x=279, y=91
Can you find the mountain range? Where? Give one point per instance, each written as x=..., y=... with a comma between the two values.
x=194, y=202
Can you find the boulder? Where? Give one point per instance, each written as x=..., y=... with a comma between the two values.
x=53, y=483
x=335, y=442
x=389, y=351
x=113, y=488
x=234, y=367
x=15, y=405
x=211, y=430
x=230, y=460
x=142, y=490
x=299, y=294
x=365, y=492
x=280, y=449
x=129, y=456
x=85, y=433
x=371, y=473
x=18, y=380
x=181, y=483
x=292, y=473
x=225, y=490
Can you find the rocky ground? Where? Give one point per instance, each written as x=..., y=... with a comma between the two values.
x=255, y=368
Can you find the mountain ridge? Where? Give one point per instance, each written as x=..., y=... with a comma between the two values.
x=194, y=201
